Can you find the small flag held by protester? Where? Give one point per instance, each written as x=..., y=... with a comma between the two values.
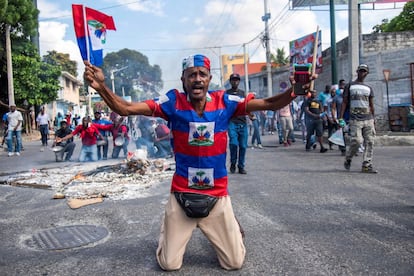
x=90, y=29
x=337, y=138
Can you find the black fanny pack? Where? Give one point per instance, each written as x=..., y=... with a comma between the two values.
x=196, y=205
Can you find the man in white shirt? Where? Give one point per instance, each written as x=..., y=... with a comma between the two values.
x=43, y=121
x=15, y=120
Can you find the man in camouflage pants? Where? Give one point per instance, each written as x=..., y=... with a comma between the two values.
x=359, y=98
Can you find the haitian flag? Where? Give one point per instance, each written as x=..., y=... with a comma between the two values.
x=90, y=29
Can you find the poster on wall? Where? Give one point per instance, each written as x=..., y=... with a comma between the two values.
x=301, y=50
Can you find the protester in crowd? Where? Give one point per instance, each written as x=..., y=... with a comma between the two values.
x=270, y=121
x=15, y=123
x=146, y=127
x=43, y=125
x=262, y=119
x=237, y=131
x=120, y=137
x=102, y=145
x=301, y=117
x=5, y=128
x=331, y=116
x=75, y=120
x=199, y=121
x=337, y=105
x=314, y=110
x=162, y=140
x=286, y=124
x=88, y=133
x=256, y=140
x=68, y=118
x=360, y=98
x=58, y=119
x=68, y=146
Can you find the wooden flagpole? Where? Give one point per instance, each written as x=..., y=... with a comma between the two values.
x=315, y=56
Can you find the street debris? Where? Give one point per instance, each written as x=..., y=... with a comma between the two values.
x=128, y=179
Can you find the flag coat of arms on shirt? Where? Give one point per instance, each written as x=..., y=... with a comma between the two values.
x=90, y=29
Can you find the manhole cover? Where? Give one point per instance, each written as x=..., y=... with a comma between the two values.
x=67, y=237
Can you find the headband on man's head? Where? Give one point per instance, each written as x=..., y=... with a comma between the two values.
x=196, y=61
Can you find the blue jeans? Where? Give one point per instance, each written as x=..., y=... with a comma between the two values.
x=117, y=149
x=18, y=134
x=88, y=153
x=44, y=132
x=238, y=143
x=256, y=133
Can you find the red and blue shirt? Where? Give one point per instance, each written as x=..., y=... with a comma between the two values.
x=199, y=142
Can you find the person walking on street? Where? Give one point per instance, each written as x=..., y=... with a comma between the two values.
x=238, y=134
x=337, y=105
x=286, y=124
x=68, y=146
x=102, y=145
x=43, y=124
x=256, y=140
x=360, y=99
x=313, y=108
x=88, y=133
x=199, y=121
x=15, y=123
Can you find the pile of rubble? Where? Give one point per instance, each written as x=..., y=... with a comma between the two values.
x=126, y=180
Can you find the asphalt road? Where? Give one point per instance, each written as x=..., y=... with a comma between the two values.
x=303, y=214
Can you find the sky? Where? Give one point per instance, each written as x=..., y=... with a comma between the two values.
x=166, y=31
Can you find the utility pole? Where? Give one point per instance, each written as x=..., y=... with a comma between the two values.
x=9, y=66
x=246, y=70
x=113, y=71
x=266, y=38
x=333, y=42
x=353, y=37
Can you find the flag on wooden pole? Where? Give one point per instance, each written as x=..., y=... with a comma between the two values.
x=90, y=29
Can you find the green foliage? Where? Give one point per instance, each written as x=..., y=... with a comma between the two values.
x=61, y=60
x=138, y=79
x=281, y=58
x=403, y=22
x=21, y=15
x=34, y=81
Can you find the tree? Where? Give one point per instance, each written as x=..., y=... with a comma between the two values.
x=402, y=22
x=61, y=60
x=138, y=76
x=34, y=81
x=21, y=16
x=281, y=58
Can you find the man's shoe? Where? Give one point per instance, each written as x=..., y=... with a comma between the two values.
x=368, y=169
x=260, y=146
x=17, y=153
x=323, y=150
x=232, y=168
x=10, y=154
x=347, y=164
x=242, y=171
